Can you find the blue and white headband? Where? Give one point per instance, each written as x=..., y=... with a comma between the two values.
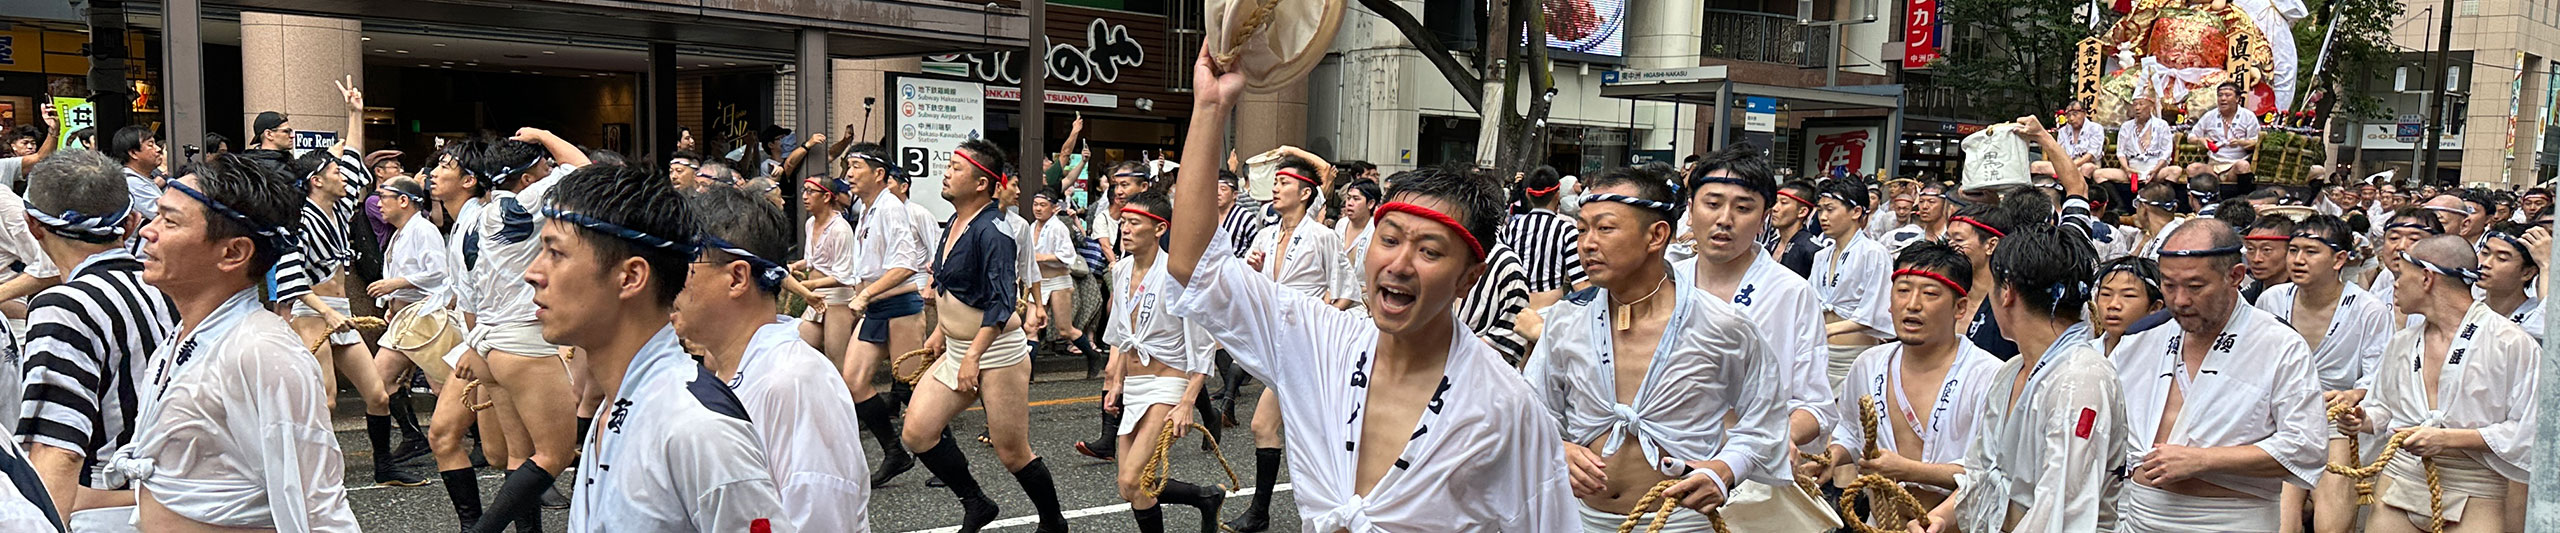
x=2208, y=252
x=2467, y=275
x=1663, y=207
x=626, y=234
x=2518, y=243
x=93, y=229
x=768, y=274
x=277, y=238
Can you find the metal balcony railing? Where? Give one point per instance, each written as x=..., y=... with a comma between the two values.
x=1766, y=37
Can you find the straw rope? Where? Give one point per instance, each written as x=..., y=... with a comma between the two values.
x=1661, y=512
x=901, y=361
x=1893, y=505
x=2364, y=475
x=1152, y=476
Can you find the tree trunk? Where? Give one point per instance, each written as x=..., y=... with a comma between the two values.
x=1501, y=31
x=1431, y=47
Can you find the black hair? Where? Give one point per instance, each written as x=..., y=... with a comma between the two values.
x=1476, y=198
x=637, y=200
x=2144, y=268
x=1800, y=187
x=78, y=180
x=30, y=131
x=2233, y=86
x=2237, y=213
x=2050, y=270
x=509, y=159
x=745, y=220
x=993, y=157
x=1354, y=168
x=2160, y=193
x=1649, y=183
x=254, y=190
x=879, y=155
x=1939, y=258
x=685, y=154
x=2274, y=224
x=2328, y=229
x=1544, y=177
x=2218, y=234
x=2411, y=214
x=606, y=157
x=301, y=168
x=1847, y=191
x=472, y=155
x=1742, y=162
x=213, y=142
x=1367, y=189
x=1152, y=202
x=127, y=140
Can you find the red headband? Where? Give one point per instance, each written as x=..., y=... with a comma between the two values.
x=1543, y=192
x=1995, y=232
x=1473, y=246
x=1144, y=213
x=1301, y=177
x=1798, y=199
x=1951, y=284
x=2266, y=238
x=964, y=156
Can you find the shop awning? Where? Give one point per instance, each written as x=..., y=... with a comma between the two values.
x=1701, y=85
x=855, y=28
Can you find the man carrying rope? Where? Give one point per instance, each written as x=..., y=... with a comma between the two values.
x=2346, y=329
x=2456, y=393
x=1695, y=359
x=1159, y=363
x=1404, y=420
x=2225, y=407
x=1925, y=386
x=802, y=412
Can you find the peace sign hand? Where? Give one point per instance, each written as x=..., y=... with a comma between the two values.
x=354, y=95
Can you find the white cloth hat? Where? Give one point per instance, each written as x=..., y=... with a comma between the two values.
x=1994, y=157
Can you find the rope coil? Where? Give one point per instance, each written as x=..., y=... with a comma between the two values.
x=901, y=362
x=1661, y=512
x=469, y=391
x=1893, y=505
x=1152, y=476
x=2363, y=475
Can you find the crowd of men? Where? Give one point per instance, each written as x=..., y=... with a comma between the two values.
x=1439, y=349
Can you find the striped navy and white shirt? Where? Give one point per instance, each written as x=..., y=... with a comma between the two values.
x=1492, y=309
x=88, y=340
x=323, y=234
x=1244, y=221
x=1545, y=242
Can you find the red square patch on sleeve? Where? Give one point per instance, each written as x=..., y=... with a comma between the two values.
x=760, y=525
x=2088, y=417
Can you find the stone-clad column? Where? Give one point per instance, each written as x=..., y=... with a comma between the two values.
x=287, y=63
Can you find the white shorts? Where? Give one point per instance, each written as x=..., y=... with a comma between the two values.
x=2143, y=509
x=523, y=340
x=339, y=338
x=1056, y=283
x=1138, y=392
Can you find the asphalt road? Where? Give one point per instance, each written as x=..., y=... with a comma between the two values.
x=1063, y=411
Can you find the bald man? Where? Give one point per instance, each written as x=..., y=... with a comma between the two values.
x=2461, y=383
x=2224, y=409
x=2456, y=215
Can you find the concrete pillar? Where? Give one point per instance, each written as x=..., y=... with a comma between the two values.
x=1267, y=121
x=867, y=80
x=1375, y=103
x=813, y=91
x=286, y=64
x=1663, y=34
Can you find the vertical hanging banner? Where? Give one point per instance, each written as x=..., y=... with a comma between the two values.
x=1920, y=35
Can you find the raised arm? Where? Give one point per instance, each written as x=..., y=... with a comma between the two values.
x=1074, y=133
x=1195, y=189
x=353, y=137
x=561, y=151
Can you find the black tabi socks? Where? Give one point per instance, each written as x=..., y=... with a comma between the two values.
x=875, y=415
x=1266, y=472
x=464, y=489
x=377, y=431
x=520, y=496
x=1036, y=483
x=946, y=463
x=585, y=423
x=1150, y=520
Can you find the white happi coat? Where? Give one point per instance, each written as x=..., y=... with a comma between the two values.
x=1945, y=424
x=234, y=428
x=1854, y=279
x=2056, y=456
x=2255, y=388
x=675, y=453
x=885, y=241
x=1143, y=323
x=803, y=413
x=416, y=253
x=2489, y=382
x=1315, y=265
x=1709, y=364
x=1484, y=457
x=2529, y=317
x=2358, y=328
x=1788, y=315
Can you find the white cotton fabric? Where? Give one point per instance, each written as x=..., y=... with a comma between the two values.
x=417, y=253
x=1026, y=265
x=2151, y=248
x=1143, y=323
x=1055, y=241
x=2357, y=329
x=1994, y=157
x=2255, y=388
x=928, y=236
x=1355, y=265
x=1942, y=423
x=887, y=241
x=831, y=250
x=1853, y=278
x=1139, y=391
x=1487, y=460
x=238, y=434
x=1315, y=265
x=2529, y=316
x=1788, y=315
x=460, y=288
x=683, y=463
x=18, y=241
x=2051, y=460
x=2083, y=139
x=804, y=415
x=2222, y=130
x=498, y=281
x=2143, y=145
x=1710, y=364
x=2493, y=391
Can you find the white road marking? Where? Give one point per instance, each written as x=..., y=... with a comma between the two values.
x=1081, y=513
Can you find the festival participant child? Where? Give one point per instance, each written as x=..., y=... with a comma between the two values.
x=2128, y=290
x=2461, y=385
x=1159, y=365
x=613, y=256
x=1393, y=410
x=801, y=411
x=2225, y=407
x=1694, y=360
